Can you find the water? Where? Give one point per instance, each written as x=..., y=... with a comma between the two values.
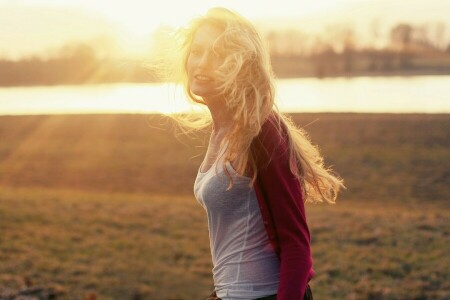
x=419, y=94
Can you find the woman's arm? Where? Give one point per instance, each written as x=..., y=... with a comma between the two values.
x=283, y=196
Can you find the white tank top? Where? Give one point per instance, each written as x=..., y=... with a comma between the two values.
x=245, y=263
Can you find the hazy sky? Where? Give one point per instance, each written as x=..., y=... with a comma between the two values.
x=33, y=26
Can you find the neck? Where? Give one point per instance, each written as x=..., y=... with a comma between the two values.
x=221, y=116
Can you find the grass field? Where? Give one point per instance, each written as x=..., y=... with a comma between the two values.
x=104, y=204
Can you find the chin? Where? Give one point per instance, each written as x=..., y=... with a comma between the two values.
x=202, y=92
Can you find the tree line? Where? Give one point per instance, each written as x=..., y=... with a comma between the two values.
x=406, y=49
x=339, y=51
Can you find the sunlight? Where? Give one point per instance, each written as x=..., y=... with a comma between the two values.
x=136, y=20
x=133, y=21
x=140, y=17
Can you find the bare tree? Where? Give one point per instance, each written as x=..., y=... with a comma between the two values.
x=401, y=38
x=438, y=35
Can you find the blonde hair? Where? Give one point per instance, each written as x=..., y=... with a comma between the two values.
x=247, y=83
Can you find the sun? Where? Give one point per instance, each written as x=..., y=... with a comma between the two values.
x=142, y=17
x=137, y=21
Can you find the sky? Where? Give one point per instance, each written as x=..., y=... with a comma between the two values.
x=38, y=26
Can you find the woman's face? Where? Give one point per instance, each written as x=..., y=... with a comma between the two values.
x=203, y=61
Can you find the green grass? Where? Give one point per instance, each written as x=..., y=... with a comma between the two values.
x=105, y=204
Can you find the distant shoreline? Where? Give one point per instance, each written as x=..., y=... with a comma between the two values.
x=354, y=74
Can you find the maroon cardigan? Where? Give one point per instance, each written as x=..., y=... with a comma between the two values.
x=282, y=208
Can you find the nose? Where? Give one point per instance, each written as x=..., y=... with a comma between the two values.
x=206, y=60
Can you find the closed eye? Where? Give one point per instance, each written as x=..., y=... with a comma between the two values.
x=195, y=51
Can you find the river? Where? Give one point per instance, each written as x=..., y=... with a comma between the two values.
x=416, y=94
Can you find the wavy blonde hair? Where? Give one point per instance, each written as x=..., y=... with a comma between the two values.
x=247, y=84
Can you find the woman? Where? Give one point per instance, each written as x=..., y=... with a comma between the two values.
x=259, y=168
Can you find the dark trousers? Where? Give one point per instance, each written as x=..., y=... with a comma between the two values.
x=308, y=295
